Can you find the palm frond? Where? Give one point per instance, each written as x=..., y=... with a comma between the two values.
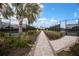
x=8, y=12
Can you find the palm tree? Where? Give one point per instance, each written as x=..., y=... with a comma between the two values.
x=21, y=11
x=28, y=10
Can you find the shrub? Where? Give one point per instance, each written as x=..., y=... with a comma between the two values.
x=2, y=34
x=31, y=32
x=17, y=42
x=3, y=50
x=64, y=53
x=54, y=35
x=9, y=42
x=75, y=49
x=21, y=43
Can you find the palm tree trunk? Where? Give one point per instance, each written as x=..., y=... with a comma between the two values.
x=9, y=27
x=20, y=26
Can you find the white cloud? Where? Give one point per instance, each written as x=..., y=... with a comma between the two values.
x=41, y=22
x=44, y=22
x=54, y=20
x=76, y=20
x=41, y=5
x=15, y=21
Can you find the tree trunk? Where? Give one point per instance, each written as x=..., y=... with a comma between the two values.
x=9, y=27
x=20, y=25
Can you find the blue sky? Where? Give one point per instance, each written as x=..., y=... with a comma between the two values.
x=53, y=13
x=59, y=10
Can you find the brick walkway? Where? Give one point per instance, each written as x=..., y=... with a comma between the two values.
x=43, y=47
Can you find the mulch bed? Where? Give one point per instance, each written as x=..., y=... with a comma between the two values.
x=18, y=51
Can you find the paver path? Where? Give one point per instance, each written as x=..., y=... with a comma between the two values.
x=43, y=47
x=63, y=42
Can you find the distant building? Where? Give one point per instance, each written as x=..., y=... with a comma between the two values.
x=70, y=26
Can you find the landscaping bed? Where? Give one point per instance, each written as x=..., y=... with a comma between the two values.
x=73, y=51
x=15, y=45
x=53, y=35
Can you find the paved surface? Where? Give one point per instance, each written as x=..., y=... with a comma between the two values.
x=43, y=47
x=64, y=42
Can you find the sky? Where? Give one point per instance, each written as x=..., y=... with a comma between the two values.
x=52, y=13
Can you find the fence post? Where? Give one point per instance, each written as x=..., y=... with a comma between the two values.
x=65, y=27
x=78, y=21
x=59, y=25
x=77, y=29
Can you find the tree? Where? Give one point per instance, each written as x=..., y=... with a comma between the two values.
x=21, y=11
x=7, y=12
x=29, y=11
